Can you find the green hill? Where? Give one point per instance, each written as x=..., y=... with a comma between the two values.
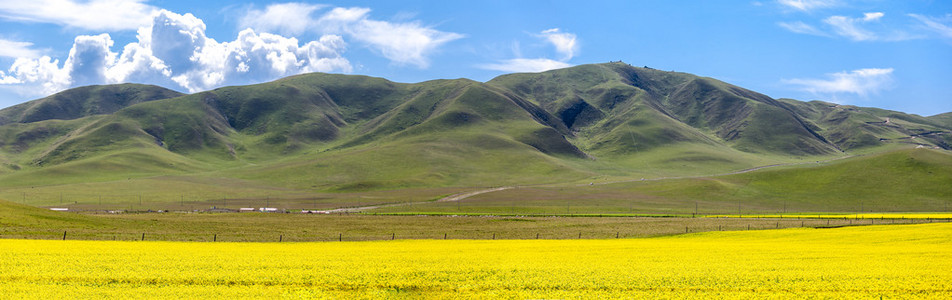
x=84, y=101
x=319, y=133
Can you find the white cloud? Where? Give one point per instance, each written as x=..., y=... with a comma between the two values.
x=92, y=15
x=17, y=49
x=284, y=18
x=565, y=43
x=847, y=27
x=800, y=27
x=36, y=77
x=89, y=59
x=526, y=65
x=403, y=43
x=173, y=51
x=935, y=25
x=866, y=28
x=808, y=5
x=861, y=82
x=872, y=16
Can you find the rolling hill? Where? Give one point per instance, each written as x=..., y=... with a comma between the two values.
x=342, y=133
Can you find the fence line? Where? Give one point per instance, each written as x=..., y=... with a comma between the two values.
x=525, y=235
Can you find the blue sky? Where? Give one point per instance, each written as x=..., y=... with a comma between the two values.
x=889, y=54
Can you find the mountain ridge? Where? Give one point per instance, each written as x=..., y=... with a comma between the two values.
x=344, y=132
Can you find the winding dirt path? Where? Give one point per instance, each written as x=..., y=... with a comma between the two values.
x=450, y=198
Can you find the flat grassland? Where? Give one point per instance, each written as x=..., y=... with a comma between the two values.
x=891, y=261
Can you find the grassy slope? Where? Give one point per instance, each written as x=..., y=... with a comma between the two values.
x=905, y=180
x=474, y=137
x=617, y=108
x=857, y=128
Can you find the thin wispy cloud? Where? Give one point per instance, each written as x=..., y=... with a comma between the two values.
x=17, y=49
x=91, y=15
x=802, y=28
x=936, y=25
x=565, y=44
x=851, y=27
x=808, y=5
x=526, y=65
x=862, y=82
x=283, y=18
x=867, y=28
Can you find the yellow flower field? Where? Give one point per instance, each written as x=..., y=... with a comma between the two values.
x=914, y=216
x=897, y=261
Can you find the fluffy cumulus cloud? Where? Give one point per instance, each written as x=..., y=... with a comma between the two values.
x=173, y=51
x=92, y=14
x=565, y=44
x=403, y=43
x=861, y=82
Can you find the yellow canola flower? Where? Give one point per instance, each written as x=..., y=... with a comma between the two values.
x=874, y=216
x=902, y=261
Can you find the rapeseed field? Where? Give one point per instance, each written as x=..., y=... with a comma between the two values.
x=891, y=261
